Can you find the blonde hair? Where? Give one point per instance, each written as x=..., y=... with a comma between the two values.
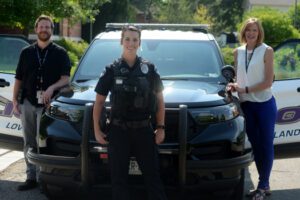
x=248, y=22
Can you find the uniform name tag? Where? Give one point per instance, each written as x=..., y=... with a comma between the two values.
x=119, y=81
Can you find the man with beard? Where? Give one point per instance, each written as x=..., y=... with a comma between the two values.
x=43, y=68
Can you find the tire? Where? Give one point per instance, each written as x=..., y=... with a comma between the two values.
x=238, y=193
x=51, y=192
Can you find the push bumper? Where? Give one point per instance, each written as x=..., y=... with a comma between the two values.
x=185, y=166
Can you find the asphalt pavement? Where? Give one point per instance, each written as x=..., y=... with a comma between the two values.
x=285, y=179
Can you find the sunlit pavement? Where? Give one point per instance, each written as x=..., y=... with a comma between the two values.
x=284, y=181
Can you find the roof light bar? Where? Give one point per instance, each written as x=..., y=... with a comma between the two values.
x=159, y=26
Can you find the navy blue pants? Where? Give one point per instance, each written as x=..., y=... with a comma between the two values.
x=139, y=143
x=260, y=123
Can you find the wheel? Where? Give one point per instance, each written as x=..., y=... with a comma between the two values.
x=238, y=193
x=51, y=192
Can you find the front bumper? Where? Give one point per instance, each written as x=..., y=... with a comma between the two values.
x=212, y=173
x=76, y=164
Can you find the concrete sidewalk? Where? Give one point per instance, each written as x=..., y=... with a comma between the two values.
x=8, y=157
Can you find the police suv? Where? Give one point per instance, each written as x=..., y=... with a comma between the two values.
x=205, y=146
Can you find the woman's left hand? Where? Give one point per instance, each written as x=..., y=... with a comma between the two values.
x=159, y=135
x=231, y=87
x=236, y=88
x=239, y=89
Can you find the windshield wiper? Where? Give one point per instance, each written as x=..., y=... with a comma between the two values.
x=82, y=80
x=174, y=78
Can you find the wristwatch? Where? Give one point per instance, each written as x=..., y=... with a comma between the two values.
x=160, y=127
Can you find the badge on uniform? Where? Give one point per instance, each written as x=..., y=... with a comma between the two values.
x=124, y=70
x=39, y=96
x=144, y=68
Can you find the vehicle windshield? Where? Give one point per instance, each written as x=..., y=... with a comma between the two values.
x=10, y=49
x=173, y=59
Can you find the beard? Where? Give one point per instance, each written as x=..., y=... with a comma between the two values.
x=44, y=36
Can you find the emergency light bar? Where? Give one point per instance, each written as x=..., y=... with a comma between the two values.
x=195, y=27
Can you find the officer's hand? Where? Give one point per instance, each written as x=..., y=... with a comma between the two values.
x=100, y=137
x=159, y=135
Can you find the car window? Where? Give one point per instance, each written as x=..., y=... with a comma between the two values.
x=188, y=59
x=10, y=49
x=287, y=61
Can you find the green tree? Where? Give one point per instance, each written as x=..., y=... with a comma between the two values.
x=292, y=12
x=175, y=12
x=277, y=25
x=22, y=13
x=201, y=15
x=147, y=6
x=224, y=14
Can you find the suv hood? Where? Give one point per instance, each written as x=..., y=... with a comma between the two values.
x=191, y=93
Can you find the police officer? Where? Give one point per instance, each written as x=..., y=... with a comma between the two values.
x=136, y=96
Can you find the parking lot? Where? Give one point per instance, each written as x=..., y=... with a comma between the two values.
x=284, y=181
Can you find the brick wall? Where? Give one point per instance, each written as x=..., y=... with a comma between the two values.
x=68, y=30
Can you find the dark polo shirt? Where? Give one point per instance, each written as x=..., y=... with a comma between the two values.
x=48, y=64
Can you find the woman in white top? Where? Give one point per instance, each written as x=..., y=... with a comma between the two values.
x=254, y=65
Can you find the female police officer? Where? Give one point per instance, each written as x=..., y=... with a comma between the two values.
x=136, y=93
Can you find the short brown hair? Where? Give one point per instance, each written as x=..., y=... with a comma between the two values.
x=261, y=33
x=44, y=17
x=130, y=28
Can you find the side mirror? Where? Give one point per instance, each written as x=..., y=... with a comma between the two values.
x=228, y=72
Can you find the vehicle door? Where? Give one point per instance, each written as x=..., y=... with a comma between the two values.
x=10, y=49
x=286, y=89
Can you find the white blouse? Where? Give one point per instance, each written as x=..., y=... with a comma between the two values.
x=255, y=73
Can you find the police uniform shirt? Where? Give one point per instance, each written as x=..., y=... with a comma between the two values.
x=55, y=63
x=106, y=81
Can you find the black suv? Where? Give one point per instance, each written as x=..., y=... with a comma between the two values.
x=205, y=131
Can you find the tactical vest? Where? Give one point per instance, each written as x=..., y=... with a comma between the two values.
x=132, y=95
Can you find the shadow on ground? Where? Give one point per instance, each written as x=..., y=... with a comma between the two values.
x=15, y=174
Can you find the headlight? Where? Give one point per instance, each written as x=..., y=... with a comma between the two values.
x=215, y=114
x=73, y=113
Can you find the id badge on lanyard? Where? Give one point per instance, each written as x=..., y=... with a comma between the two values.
x=39, y=96
x=39, y=92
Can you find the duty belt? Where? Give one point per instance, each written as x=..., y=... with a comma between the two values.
x=131, y=124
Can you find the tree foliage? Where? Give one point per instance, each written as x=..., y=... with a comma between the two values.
x=22, y=13
x=225, y=14
x=174, y=12
x=277, y=25
x=201, y=15
x=292, y=12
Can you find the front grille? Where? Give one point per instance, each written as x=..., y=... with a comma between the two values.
x=172, y=126
x=62, y=148
x=210, y=151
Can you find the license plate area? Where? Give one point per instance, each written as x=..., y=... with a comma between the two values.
x=134, y=168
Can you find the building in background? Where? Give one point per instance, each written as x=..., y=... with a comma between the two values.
x=282, y=5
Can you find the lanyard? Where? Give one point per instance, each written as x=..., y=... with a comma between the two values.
x=40, y=69
x=41, y=61
x=246, y=60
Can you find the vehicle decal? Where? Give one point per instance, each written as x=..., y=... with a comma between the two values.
x=288, y=115
x=287, y=133
x=8, y=108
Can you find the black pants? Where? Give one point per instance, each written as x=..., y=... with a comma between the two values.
x=140, y=143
